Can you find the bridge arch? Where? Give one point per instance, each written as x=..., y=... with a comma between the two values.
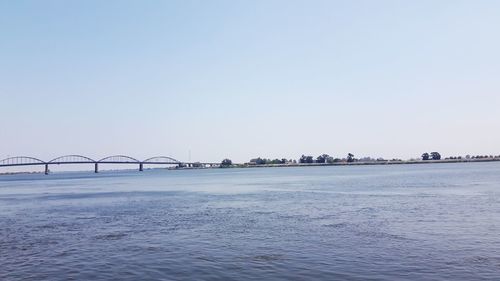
x=118, y=159
x=161, y=160
x=72, y=159
x=21, y=160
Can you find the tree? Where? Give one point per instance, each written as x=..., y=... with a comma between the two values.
x=260, y=161
x=425, y=156
x=302, y=159
x=435, y=156
x=329, y=160
x=350, y=157
x=275, y=161
x=226, y=163
x=306, y=159
x=322, y=158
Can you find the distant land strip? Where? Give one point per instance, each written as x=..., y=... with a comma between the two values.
x=341, y=163
x=360, y=163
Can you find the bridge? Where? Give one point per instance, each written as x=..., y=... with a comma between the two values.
x=115, y=159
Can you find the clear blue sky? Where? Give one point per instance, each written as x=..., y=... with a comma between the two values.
x=242, y=79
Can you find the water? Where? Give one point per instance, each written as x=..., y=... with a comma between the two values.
x=401, y=222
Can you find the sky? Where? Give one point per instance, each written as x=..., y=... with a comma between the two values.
x=206, y=80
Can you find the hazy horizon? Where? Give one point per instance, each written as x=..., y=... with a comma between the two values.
x=236, y=79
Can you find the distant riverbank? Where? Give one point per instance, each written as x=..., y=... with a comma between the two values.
x=359, y=163
x=342, y=163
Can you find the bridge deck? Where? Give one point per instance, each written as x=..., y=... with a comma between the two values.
x=107, y=162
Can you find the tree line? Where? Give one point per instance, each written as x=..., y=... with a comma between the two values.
x=264, y=161
x=434, y=156
x=327, y=159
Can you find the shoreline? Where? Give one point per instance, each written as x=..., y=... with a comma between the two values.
x=357, y=163
x=364, y=163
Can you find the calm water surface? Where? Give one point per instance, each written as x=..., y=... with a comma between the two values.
x=403, y=222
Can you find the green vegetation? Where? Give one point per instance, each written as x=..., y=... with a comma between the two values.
x=350, y=157
x=226, y=163
x=264, y=161
x=324, y=158
x=306, y=159
x=434, y=156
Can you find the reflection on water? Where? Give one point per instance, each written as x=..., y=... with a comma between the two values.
x=410, y=222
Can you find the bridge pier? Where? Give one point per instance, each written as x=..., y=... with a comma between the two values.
x=46, y=169
x=140, y=167
x=96, y=170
